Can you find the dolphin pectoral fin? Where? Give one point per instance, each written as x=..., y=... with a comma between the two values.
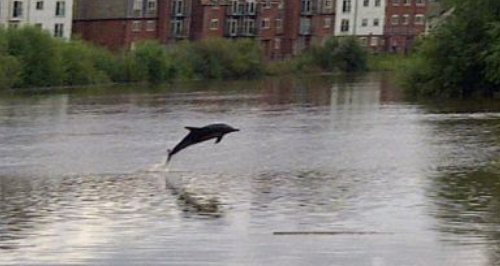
x=218, y=139
x=192, y=128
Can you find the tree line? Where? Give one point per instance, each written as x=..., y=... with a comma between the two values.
x=31, y=58
x=461, y=58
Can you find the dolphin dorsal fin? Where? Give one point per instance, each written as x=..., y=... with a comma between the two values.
x=192, y=128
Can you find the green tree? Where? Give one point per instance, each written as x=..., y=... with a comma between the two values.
x=39, y=56
x=461, y=58
x=153, y=60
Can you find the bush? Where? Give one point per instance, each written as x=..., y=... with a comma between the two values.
x=39, y=56
x=461, y=58
x=153, y=61
x=349, y=55
x=10, y=71
x=343, y=54
x=220, y=59
x=81, y=64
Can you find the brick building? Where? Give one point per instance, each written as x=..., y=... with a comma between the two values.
x=307, y=22
x=116, y=24
x=282, y=27
x=270, y=27
x=208, y=19
x=405, y=22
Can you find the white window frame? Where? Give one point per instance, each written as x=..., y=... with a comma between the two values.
x=39, y=5
x=346, y=6
x=59, y=30
x=265, y=23
x=60, y=9
x=344, y=25
x=137, y=26
x=150, y=25
x=419, y=19
x=395, y=20
x=214, y=24
x=17, y=9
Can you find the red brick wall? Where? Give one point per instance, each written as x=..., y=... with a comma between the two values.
x=291, y=26
x=115, y=34
x=164, y=10
x=322, y=33
x=271, y=39
x=202, y=17
x=107, y=33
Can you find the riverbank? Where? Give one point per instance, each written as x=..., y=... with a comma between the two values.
x=34, y=60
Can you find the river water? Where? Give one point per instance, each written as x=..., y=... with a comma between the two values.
x=325, y=171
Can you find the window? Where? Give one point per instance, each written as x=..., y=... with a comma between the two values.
x=233, y=26
x=305, y=26
x=150, y=25
x=406, y=2
x=395, y=19
x=366, y=2
x=327, y=22
x=328, y=4
x=377, y=2
x=241, y=8
x=267, y=4
x=374, y=41
x=395, y=2
x=39, y=5
x=178, y=7
x=138, y=5
x=249, y=25
x=265, y=23
x=419, y=20
x=346, y=6
x=405, y=20
x=376, y=22
x=136, y=25
x=214, y=24
x=59, y=30
x=177, y=27
x=277, y=43
x=251, y=7
x=234, y=7
x=17, y=11
x=60, y=8
x=279, y=25
x=306, y=6
x=152, y=5
x=344, y=25
x=364, y=22
x=420, y=2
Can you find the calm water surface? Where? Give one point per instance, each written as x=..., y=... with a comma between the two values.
x=325, y=171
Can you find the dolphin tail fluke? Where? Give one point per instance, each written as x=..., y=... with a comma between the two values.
x=169, y=156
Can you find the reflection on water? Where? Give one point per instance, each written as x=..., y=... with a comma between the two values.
x=349, y=171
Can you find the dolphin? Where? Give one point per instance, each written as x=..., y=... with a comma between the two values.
x=200, y=134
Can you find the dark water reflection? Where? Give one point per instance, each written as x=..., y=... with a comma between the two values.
x=396, y=183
